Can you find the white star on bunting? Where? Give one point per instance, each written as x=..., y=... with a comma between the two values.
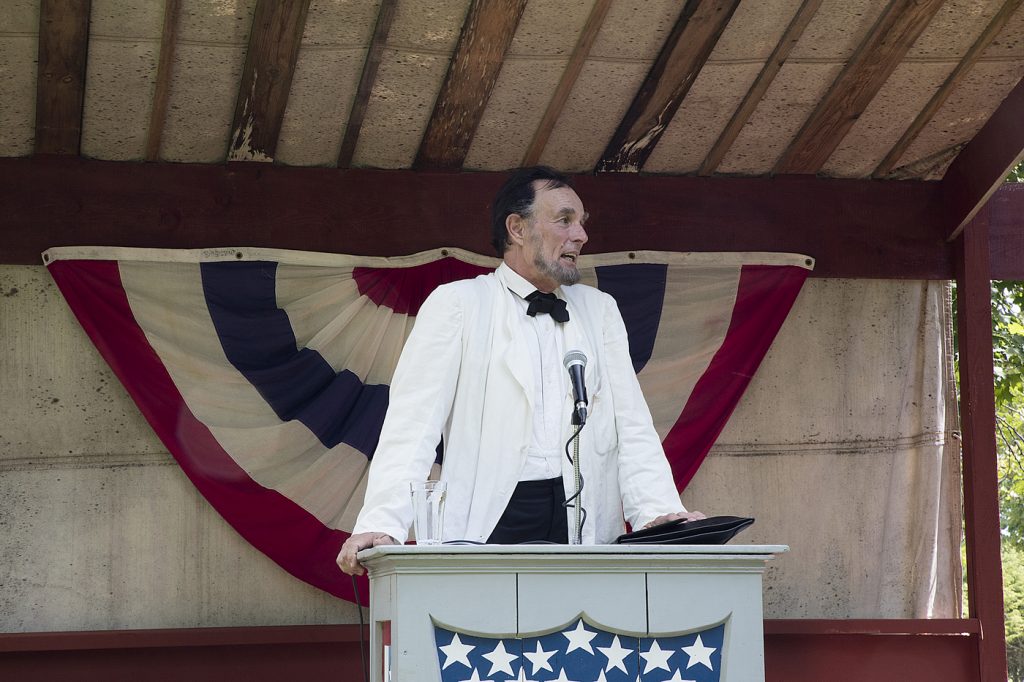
x=475, y=677
x=562, y=678
x=616, y=654
x=500, y=659
x=580, y=639
x=677, y=678
x=656, y=657
x=522, y=675
x=456, y=652
x=699, y=653
x=539, y=658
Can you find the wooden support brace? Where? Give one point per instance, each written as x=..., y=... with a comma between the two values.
x=977, y=413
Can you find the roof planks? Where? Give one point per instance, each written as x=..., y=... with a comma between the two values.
x=486, y=36
x=566, y=83
x=162, y=92
x=764, y=79
x=980, y=168
x=277, y=28
x=683, y=55
x=60, y=81
x=952, y=81
x=860, y=80
x=385, y=17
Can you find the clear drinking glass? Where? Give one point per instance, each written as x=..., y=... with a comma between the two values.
x=428, y=511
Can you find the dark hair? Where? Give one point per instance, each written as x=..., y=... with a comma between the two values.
x=516, y=197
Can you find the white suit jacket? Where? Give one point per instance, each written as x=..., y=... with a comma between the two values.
x=464, y=373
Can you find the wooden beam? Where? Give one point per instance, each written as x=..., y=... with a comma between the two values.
x=385, y=16
x=875, y=229
x=796, y=650
x=572, y=72
x=860, y=80
x=978, y=423
x=980, y=168
x=764, y=79
x=1006, y=231
x=956, y=76
x=162, y=93
x=486, y=36
x=277, y=27
x=60, y=81
x=683, y=55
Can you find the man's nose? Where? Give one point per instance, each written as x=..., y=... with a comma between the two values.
x=579, y=234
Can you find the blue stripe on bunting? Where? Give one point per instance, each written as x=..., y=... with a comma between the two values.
x=639, y=290
x=297, y=383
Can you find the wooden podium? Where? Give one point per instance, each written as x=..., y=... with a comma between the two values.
x=547, y=612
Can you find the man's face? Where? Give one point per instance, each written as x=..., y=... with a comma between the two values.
x=553, y=237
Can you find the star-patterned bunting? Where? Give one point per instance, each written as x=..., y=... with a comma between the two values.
x=580, y=652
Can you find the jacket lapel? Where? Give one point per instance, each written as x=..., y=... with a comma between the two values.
x=576, y=338
x=509, y=341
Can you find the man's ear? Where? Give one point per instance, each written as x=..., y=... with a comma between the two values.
x=515, y=227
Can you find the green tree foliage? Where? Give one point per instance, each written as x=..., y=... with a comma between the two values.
x=1008, y=357
x=1013, y=606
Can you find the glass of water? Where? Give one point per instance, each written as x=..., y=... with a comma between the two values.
x=428, y=511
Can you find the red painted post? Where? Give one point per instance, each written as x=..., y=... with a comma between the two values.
x=978, y=421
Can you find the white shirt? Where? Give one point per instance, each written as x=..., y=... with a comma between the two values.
x=546, y=347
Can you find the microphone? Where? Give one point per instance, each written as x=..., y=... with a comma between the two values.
x=574, y=362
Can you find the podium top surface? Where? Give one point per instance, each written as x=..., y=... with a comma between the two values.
x=580, y=551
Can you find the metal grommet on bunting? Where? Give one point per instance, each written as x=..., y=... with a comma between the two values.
x=444, y=252
x=238, y=255
x=632, y=256
x=808, y=262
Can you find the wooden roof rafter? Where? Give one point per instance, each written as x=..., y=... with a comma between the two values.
x=162, y=92
x=60, y=79
x=982, y=165
x=878, y=55
x=483, y=43
x=959, y=73
x=374, y=54
x=681, y=59
x=764, y=79
x=572, y=72
x=274, y=41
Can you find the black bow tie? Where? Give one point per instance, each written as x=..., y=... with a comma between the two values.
x=547, y=303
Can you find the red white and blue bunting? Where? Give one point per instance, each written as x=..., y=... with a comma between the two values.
x=265, y=372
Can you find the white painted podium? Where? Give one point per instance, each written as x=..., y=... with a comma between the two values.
x=546, y=612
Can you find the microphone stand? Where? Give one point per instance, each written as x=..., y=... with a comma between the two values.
x=577, y=536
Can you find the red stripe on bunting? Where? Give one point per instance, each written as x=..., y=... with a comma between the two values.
x=272, y=523
x=764, y=296
x=405, y=289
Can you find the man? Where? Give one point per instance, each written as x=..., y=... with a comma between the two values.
x=483, y=366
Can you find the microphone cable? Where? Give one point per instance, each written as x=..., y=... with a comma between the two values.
x=576, y=501
x=362, y=628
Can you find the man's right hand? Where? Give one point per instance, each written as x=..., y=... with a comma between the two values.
x=347, y=557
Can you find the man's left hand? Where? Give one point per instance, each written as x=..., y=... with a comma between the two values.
x=685, y=516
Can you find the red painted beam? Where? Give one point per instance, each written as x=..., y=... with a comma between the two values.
x=871, y=626
x=853, y=228
x=842, y=657
x=1006, y=231
x=795, y=651
x=978, y=171
x=978, y=421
